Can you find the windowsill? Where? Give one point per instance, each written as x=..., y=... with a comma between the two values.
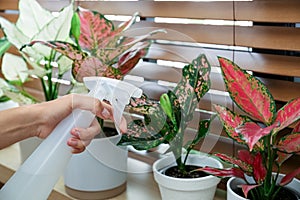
x=140, y=182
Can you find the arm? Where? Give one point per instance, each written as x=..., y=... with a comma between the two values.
x=40, y=119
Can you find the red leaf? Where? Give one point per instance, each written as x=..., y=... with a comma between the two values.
x=289, y=143
x=128, y=60
x=246, y=156
x=244, y=166
x=289, y=177
x=288, y=114
x=247, y=188
x=259, y=170
x=230, y=122
x=248, y=92
x=252, y=133
x=282, y=157
x=232, y=172
x=296, y=128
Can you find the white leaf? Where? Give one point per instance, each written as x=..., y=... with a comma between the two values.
x=14, y=67
x=37, y=69
x=64, y=64
x=57, y=29
x=3, y=84
x=32, y=17
x=13, y=34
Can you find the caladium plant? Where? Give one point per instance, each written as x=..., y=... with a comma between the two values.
x=266, y=149
x=100, y=49
x=36, y=23
x=166, y=121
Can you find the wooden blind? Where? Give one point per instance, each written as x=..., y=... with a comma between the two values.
x=261, y=36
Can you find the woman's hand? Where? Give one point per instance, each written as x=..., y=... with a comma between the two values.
x=58, y=109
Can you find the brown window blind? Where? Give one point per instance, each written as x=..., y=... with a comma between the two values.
x=260, y=35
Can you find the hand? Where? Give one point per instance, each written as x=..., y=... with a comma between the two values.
x=56, y=110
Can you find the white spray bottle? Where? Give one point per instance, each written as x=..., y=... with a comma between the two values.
x=36, y=178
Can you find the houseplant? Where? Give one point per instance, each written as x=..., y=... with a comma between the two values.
x=258, y=165
x=165, y=122
x=100, y=49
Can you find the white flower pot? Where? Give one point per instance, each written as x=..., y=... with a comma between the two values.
x=186, y=188
x=99, y=172
x=233, y=183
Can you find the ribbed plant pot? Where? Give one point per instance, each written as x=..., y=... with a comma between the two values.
x=233, y=183
x=100, y=172
x=186, y=188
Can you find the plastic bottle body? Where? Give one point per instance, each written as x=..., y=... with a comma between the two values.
x=38, y=175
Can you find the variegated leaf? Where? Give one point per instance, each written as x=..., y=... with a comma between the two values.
x=230, y=122
x=248, y=92
x=223, y=173
x=246, y=188
x=203, y=128
x=251, y=132
x=297, y=127
x=246, y=167
x=259, y=169
x=94, y=28
x=246, y=156
x=129, y=59
x=289, y=143
x=288, y=114
x=193, y=85
x=282, y=157
x=65, y=48
x=289, y=177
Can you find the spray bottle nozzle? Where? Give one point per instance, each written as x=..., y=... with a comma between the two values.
x=117, y=92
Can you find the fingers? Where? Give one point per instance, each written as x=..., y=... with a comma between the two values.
x=82, y=137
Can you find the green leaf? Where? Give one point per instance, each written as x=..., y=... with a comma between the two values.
x=202, y=131
x=4, y=45
x=75, y=27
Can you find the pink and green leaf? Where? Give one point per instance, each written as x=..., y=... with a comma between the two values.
x=230, y=122
x=92, y=66
x=129, y=60
x=282, y=157
x=289, y=177
x=66, y=49
x=288, y=114
x=94, y=28
x=223, y=173
x=259, y=170
x=246, y=189
x=289, y=143
x=251, y=132
x=246, y=156
x=248, y=92
x=296, y=128
x=247, y=168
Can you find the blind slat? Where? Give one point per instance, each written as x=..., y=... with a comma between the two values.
x=261, y=11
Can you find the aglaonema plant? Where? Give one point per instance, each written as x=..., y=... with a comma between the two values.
x=100, y=49
x=166, y=121
x=266, y=149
